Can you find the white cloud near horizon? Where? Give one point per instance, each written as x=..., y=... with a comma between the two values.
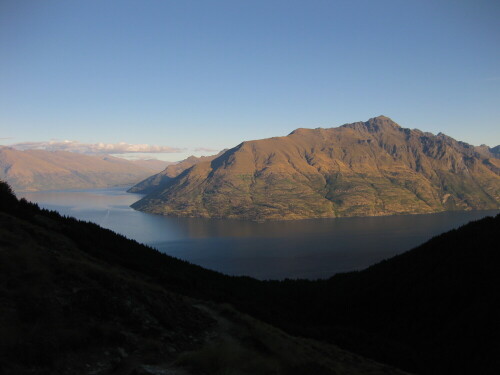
x=96, y=148
x=205, y=149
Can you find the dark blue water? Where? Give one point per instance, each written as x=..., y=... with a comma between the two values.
x=272, y=250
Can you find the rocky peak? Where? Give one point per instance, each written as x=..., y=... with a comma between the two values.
x=374, y=125
x=381, y=123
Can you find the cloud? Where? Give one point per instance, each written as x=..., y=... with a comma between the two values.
x=205, y=149
x=96, y=148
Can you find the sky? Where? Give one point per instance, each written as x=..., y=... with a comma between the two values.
x=194, y=77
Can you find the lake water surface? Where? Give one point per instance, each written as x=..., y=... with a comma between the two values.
x=310, y=249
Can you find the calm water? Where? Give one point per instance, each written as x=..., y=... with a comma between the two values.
x=275, y=250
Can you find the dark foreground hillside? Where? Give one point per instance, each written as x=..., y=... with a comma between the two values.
x=431, y=310
x=70, y=305
x=74, y=294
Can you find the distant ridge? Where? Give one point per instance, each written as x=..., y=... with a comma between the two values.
x=169, y=173
x=33, y=170
x=154, y=165
x=360, y=169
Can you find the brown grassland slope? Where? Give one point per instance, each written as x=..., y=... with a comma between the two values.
x=160, y=179
x=33, y=170
x=361, y=169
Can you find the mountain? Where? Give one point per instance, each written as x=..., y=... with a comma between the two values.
x=360, y=169
x=154, y=165
x=69, y=307
x=431, y=310
x=33, y=170
x=169, y=173
x=495, y=151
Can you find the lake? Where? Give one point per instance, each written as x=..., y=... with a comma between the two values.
x=309, y=249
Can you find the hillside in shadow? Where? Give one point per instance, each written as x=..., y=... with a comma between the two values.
x=75, y=294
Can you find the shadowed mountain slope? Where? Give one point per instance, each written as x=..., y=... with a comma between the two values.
x=67, y=308
x=161, y=180
x=33, y=170
x=360, y=169
x=431, y=310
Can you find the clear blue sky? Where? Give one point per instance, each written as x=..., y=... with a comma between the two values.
x=211, y=74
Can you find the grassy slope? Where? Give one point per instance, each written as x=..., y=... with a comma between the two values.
x=64, y=311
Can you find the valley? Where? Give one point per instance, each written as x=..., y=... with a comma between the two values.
x=112, y=305
x=249, y=187
x=310, y=249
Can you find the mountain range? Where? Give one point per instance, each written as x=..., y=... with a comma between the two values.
x=33, y=170
x=361, y=169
